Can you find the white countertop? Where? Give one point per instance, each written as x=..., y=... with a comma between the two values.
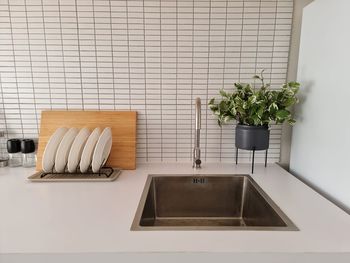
x=77, y=217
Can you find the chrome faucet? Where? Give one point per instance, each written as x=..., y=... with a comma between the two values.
x=197, y=134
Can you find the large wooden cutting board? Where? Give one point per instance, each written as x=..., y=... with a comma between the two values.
x=122, y=123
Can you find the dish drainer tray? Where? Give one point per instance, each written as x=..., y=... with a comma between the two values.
x=106, y=174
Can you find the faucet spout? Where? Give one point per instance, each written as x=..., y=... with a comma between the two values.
x=196, y=150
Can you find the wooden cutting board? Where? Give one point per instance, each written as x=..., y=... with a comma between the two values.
x=122, y=123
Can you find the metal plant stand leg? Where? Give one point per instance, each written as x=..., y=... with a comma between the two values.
x=236, y=155
x=266, y=157
x=253, y=160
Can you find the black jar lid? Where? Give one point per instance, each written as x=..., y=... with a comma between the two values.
x=27, y=146
x=13, y=145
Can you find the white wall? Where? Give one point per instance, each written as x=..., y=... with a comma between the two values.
x=286, y=138
x=321, y=137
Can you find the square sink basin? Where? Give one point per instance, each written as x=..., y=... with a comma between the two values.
x=207, y=202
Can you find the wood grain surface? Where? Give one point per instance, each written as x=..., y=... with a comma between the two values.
x=122, y=123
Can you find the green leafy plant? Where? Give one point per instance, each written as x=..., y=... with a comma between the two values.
x=249, y=105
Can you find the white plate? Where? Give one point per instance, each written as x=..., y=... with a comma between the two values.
x=77, y=149
x=102, y=150
x=64, y=148
x=86, y=156
x=51, y=148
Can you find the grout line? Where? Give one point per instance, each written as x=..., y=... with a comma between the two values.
x=5, y=128
x=257, y=41
x=241, y=44
x=257, y=153
x=145, y=74
x=272, y=56
x=31, y=71
x=223, y=76
x=192, y=78
x=176, y=79
x=96, y=57
x=207, y=90
x=161, y=81
x=16, y=75
x=184, y=30
x=240, y=57
x=290, y=42
x=63, y=53
x=112, y=50
x=46, y=56
x=274, y=39
x=79, y=52
x=128, y=48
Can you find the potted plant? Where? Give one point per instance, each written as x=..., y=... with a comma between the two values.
x=255, y=109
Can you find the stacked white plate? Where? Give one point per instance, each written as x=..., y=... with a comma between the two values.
x=73, y=150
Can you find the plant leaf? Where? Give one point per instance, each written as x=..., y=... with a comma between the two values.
x=256, y=106
x=223, y=93
x=273, y=107
x=282, y=114
x=252, y=99
x=227, y=119
x=239, y=86
x=291, y=121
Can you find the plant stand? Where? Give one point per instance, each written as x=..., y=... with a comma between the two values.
x=253, y=159
x=252, y=138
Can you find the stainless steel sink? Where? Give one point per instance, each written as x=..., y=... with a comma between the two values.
x=207, y=202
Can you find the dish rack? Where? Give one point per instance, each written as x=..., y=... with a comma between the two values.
x=105, y=174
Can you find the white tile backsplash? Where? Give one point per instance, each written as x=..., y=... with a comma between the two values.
x=155, y=57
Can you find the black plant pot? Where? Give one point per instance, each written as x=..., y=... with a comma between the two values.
x=252, y=137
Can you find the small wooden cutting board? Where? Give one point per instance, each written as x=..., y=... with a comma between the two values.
x=122, y=123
